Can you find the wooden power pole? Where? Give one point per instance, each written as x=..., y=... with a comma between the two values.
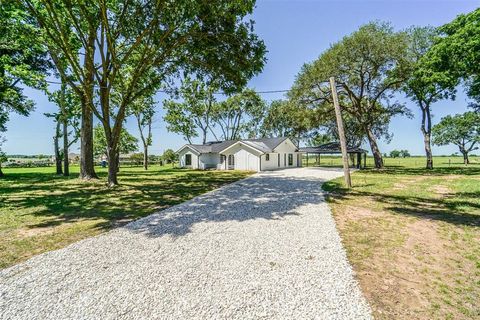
x=341, y=133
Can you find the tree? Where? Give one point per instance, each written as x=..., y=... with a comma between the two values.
x=169, y=156
x=23, y=60
x=369, y=66
x=404, y=153
x=144, y=110
x=130, y=47
x=285, y=119
x=68, y=116
x=463, y=130
x=195, y=111
x=456, y=51
x=395, y=154
x=241, y=114
x=426, y=86
x=127, y=144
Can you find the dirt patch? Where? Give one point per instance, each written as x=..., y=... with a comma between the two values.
x=441, y=190
x=35, y=231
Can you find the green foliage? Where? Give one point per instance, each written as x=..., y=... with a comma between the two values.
x=195, y=111
x=169, y=156
x=457, y=51
x=286, y=119
x=395, y=154
x=127, y=49
x=404, y=153
x=127, y=143
x=23, y=60
x=368, y=66
x=462, y=130
x=241, y=114
x=144, y=110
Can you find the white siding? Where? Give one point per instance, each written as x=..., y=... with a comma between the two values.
x=245, y=158
x=282, y=151
x=181, y=156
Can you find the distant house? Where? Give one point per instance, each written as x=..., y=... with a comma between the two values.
x=249, y=154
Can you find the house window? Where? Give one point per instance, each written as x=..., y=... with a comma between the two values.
x=267, y=157
x=231, y=160
x=188, y=159
x=290, y=159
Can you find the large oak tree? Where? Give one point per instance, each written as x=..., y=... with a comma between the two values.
x=112, y=52
x=368, y=66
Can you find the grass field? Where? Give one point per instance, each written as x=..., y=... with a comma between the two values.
x=40, y=211
x=413, y=237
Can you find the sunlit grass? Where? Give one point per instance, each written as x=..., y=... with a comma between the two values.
x=413, y=237
x=40, y=211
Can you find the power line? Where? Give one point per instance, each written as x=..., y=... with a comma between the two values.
x=166, y=91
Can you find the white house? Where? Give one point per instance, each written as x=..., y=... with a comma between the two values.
x=249, y=154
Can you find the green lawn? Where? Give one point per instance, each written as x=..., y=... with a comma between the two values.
x=411, y=162
x=413, y=237
x=41, y=211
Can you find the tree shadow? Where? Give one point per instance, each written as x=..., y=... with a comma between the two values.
x=62, y=200
x=452, y=208
x=269, y=196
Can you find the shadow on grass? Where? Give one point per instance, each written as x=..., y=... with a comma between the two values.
x=455, y=208
x=59, y=200
x=63, y=200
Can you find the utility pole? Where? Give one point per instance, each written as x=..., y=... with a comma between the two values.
x=341, y=133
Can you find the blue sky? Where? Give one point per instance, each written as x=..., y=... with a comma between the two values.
x=295, y=32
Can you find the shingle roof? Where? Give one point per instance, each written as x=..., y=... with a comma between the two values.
x=263, y=144
x=332, y=147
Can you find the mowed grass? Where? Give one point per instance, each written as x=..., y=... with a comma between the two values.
x=40, y=211
x=413, y=237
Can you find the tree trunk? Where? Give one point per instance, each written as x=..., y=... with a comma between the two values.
x=87, y=170
x=377, y=155
x=1, y=172
x=58, y=159
x=427, y=132
x=428, y=150
x=113, y=159
x=465, y=158
x=66, y=164
x=145, y=157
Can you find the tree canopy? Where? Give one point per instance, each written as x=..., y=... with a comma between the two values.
x=121, y=49
x=23, y=60
x=462, y=130
x=456, y=52
x=368, y=66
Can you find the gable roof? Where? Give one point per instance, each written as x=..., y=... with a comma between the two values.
x=264, y=145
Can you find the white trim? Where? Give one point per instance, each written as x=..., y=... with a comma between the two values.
x=189, y=147
x=243, y=144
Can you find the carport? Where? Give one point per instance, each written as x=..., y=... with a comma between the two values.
x=334, y=148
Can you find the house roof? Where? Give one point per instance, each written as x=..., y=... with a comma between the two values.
x=263, y=144
x=332, y=147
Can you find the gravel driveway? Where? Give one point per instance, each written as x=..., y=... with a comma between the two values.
x=263, y=248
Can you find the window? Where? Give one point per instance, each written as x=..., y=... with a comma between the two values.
x=188, y=159
x=290, y=159
x=231, y=160
x=267, y=157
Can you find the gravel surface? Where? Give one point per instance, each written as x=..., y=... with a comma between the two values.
x=263, y=248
